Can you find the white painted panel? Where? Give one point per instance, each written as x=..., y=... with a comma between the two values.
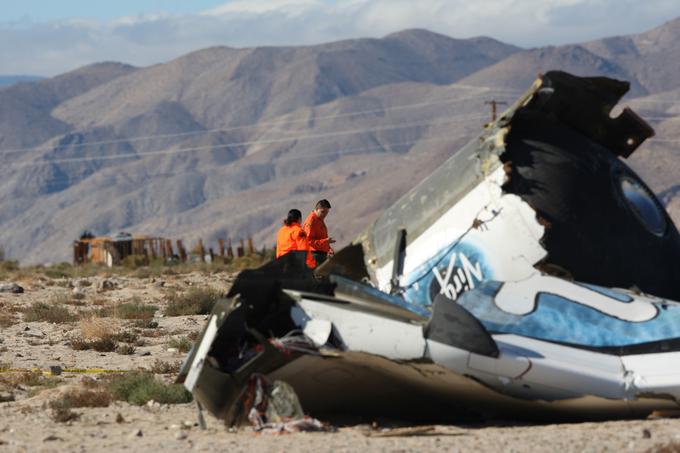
x=508, y=236
x=199, y=358
x=568, y=369
x=366, y=332
x=654, y=373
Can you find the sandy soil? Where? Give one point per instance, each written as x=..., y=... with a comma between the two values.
x=26, y=423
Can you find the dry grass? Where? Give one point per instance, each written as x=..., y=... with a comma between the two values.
x=162, y=367
x=7, y=319
x=103, y=335
x=61, y=408
x=85, y=398
x=196, y=301
x=40, y=311
x=125, y=349
x=182, y=344
x=135, y=310
x=13, y=380
x=101, y=345
x=96, y=328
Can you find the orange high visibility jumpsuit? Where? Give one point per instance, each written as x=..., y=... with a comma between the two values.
x=290, y=238
x=317, y=234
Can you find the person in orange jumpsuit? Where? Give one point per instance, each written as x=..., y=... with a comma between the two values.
x=317, y=233
x=291, y=235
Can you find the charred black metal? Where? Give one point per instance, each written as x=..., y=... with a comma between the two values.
x=563, y=147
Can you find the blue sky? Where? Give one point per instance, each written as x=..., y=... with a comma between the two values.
x=49, y=37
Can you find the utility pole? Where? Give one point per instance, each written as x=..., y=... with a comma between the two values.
x=494, y=103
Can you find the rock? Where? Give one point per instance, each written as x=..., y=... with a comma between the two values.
x=646, y=434
x=107, y=285
x=6, y=397
x=173, y=350
x=145, y=354
x=82, y=283
x=159, y=284
x=181, y=435
x=136, y=433
x=11, y=288
x=119, y=418
x=34, y=334
x=51, y=438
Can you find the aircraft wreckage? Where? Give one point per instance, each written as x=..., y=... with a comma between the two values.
x=532, y=275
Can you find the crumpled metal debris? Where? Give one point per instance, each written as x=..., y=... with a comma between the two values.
x=274, y=408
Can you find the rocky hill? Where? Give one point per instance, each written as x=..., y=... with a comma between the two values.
x=222, y=142
x=7, y=80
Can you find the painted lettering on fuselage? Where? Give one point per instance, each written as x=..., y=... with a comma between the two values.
x=459, y=276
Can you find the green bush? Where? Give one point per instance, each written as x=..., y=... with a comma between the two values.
x=135, y=310
x=40, y=311
x=140, y=388
x=196, y=301
x=182, y=344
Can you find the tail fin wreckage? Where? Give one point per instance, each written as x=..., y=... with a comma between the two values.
x=531, y=276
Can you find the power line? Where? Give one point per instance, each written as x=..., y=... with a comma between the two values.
x=340, y=154
x=486, y=90
x=451, y=120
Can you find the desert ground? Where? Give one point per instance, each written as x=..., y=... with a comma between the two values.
x=137, y=323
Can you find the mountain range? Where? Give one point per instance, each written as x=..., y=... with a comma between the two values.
x=222, y=142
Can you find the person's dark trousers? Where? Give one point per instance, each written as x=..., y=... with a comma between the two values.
x=319, y=257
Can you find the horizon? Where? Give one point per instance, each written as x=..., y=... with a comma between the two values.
x=47, y=41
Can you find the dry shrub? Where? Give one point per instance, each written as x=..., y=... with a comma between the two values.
x=140, y=388
x=182, y=344
x=193, y=336
x=61, y=408
x=17, y=379
x=40, y=311
x=153, y=333
x=162, y=367
x=61, y=415
x=125, y=349
x=196, y=301
x=100, y=345
x=83, y=398
x=135, y=310
x=126, y=337
x=95, y=328
x=21, y=378
x=98, y=334
x=7, y=320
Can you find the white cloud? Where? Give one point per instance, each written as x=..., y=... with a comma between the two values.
x=50, y=48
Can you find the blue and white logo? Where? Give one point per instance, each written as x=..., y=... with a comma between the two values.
x=455, y=269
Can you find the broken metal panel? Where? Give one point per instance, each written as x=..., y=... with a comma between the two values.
x=363, y=331
x=654, y=374
x=555, y=372
x=587, y=197
x=422, y=206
